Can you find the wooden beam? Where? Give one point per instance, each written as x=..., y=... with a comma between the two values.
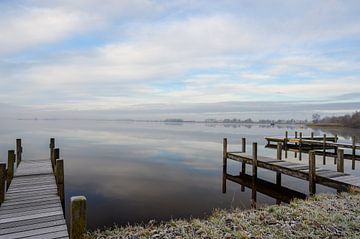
x=10, y=168
x=78, y=217
x=312, y=173
x=340, y=160
x=18, y=152
x=2, y=182
x=60, y=181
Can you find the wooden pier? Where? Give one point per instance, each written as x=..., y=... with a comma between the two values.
x=32, y=198
x=315, y=175
x=325, y=146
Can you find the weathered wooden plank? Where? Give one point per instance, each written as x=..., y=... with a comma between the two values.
x=25, y=209
x=25, y=213
x=28, y=217
x=52, y=235
x=31, y=221
x=36, y=232
x=32, y=226
x=29, y=204
x=329, y=174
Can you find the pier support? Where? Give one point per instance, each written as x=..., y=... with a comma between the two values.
x=296, y=135
x=312, y=173
x=300, y=145
x=10, y=168
x=55, y=155
x=18, y=152
x=243, y=164
x=224, y=165
x=78, y=217
x=286, y=144
x=324, y=149
x=59, y=172
x=2, y=182
x=340, y=160
x=254, y=174
x=279, y=156
x=353, y=153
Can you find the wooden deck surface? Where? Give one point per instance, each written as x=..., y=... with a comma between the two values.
x=32, y=207
x=323, y=176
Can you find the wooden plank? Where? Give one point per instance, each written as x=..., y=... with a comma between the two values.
x=25, y=209
x=31, y=221
x=52, y=235
x=329, y=174
x=32, y=226
x=36, y=232
x=28, y=217
x=29, y=204
x=25, y=213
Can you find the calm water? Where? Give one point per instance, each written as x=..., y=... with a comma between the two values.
x=132, y=172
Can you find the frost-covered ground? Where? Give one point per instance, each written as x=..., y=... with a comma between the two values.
x=321, y=216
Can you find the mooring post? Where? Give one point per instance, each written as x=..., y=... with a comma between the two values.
x=60, y=181
x=312, y=173
x=77, y=217
x=296, y=135
x=18, y=152
x=243, y=164
x=2, y=182
x=335, y=148
x=10, y=168
x=254, y=174
x=286, y=144
x=224, y=164
x=324, y=149
x=52, y=146
x=54, y=157
x=312, y=135
x=353, y=153
x=300, y=145
x=278, y=156
x=340, y=160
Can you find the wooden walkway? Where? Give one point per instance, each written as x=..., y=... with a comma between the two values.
x=32, y=206
x=338, y=180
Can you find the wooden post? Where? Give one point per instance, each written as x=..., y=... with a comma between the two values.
x=296, y=135
x=78, y=217
x=2, y=182
x=335, y=148
x=243, y=144
x=60, y=180
x=243, y=164
x=18, y=151
x=285, y=144
x=10, y=169
x=52, y=146
x=279, y=156
x=340, y=160
x=224, y=164
x=324, y=149
x=353, y=153
x=54, y=157
x=312, y=135
x=300, y=146
x=312, y=172
x=254, y=174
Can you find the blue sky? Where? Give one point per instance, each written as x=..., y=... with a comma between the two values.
x=108, y=55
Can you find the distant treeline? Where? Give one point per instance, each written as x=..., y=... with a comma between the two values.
x=352, y=121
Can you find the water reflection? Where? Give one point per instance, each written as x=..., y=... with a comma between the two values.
x=132, y=172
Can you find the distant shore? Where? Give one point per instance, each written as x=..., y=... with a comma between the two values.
x=323, y=125
x=320, y=216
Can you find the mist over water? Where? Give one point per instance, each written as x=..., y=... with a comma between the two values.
x=132, y=172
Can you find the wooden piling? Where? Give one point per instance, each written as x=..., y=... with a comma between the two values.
x=335, y=148
x=286, y=144
x=224, y=164
x=2, y=182
x=10, y=168
x=312, y=173
x=340, y=160
x=78, y=217
x=55, y=155
x=296, y=135
x=324, y=149
x=243, y=165
x=59, y=172
x=300, y=145
x=254, y=174
x=312, y=135
x=353, y=153
x=18, y=152
x=279, y=156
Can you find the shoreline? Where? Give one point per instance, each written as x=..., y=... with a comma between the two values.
x=319, y=216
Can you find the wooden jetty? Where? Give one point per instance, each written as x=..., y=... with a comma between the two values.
x=325, y=146
x=315, y=175
x=32, y=198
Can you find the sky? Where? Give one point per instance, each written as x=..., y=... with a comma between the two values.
x=178, y=57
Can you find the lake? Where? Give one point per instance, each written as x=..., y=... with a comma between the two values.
x=132, y=172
